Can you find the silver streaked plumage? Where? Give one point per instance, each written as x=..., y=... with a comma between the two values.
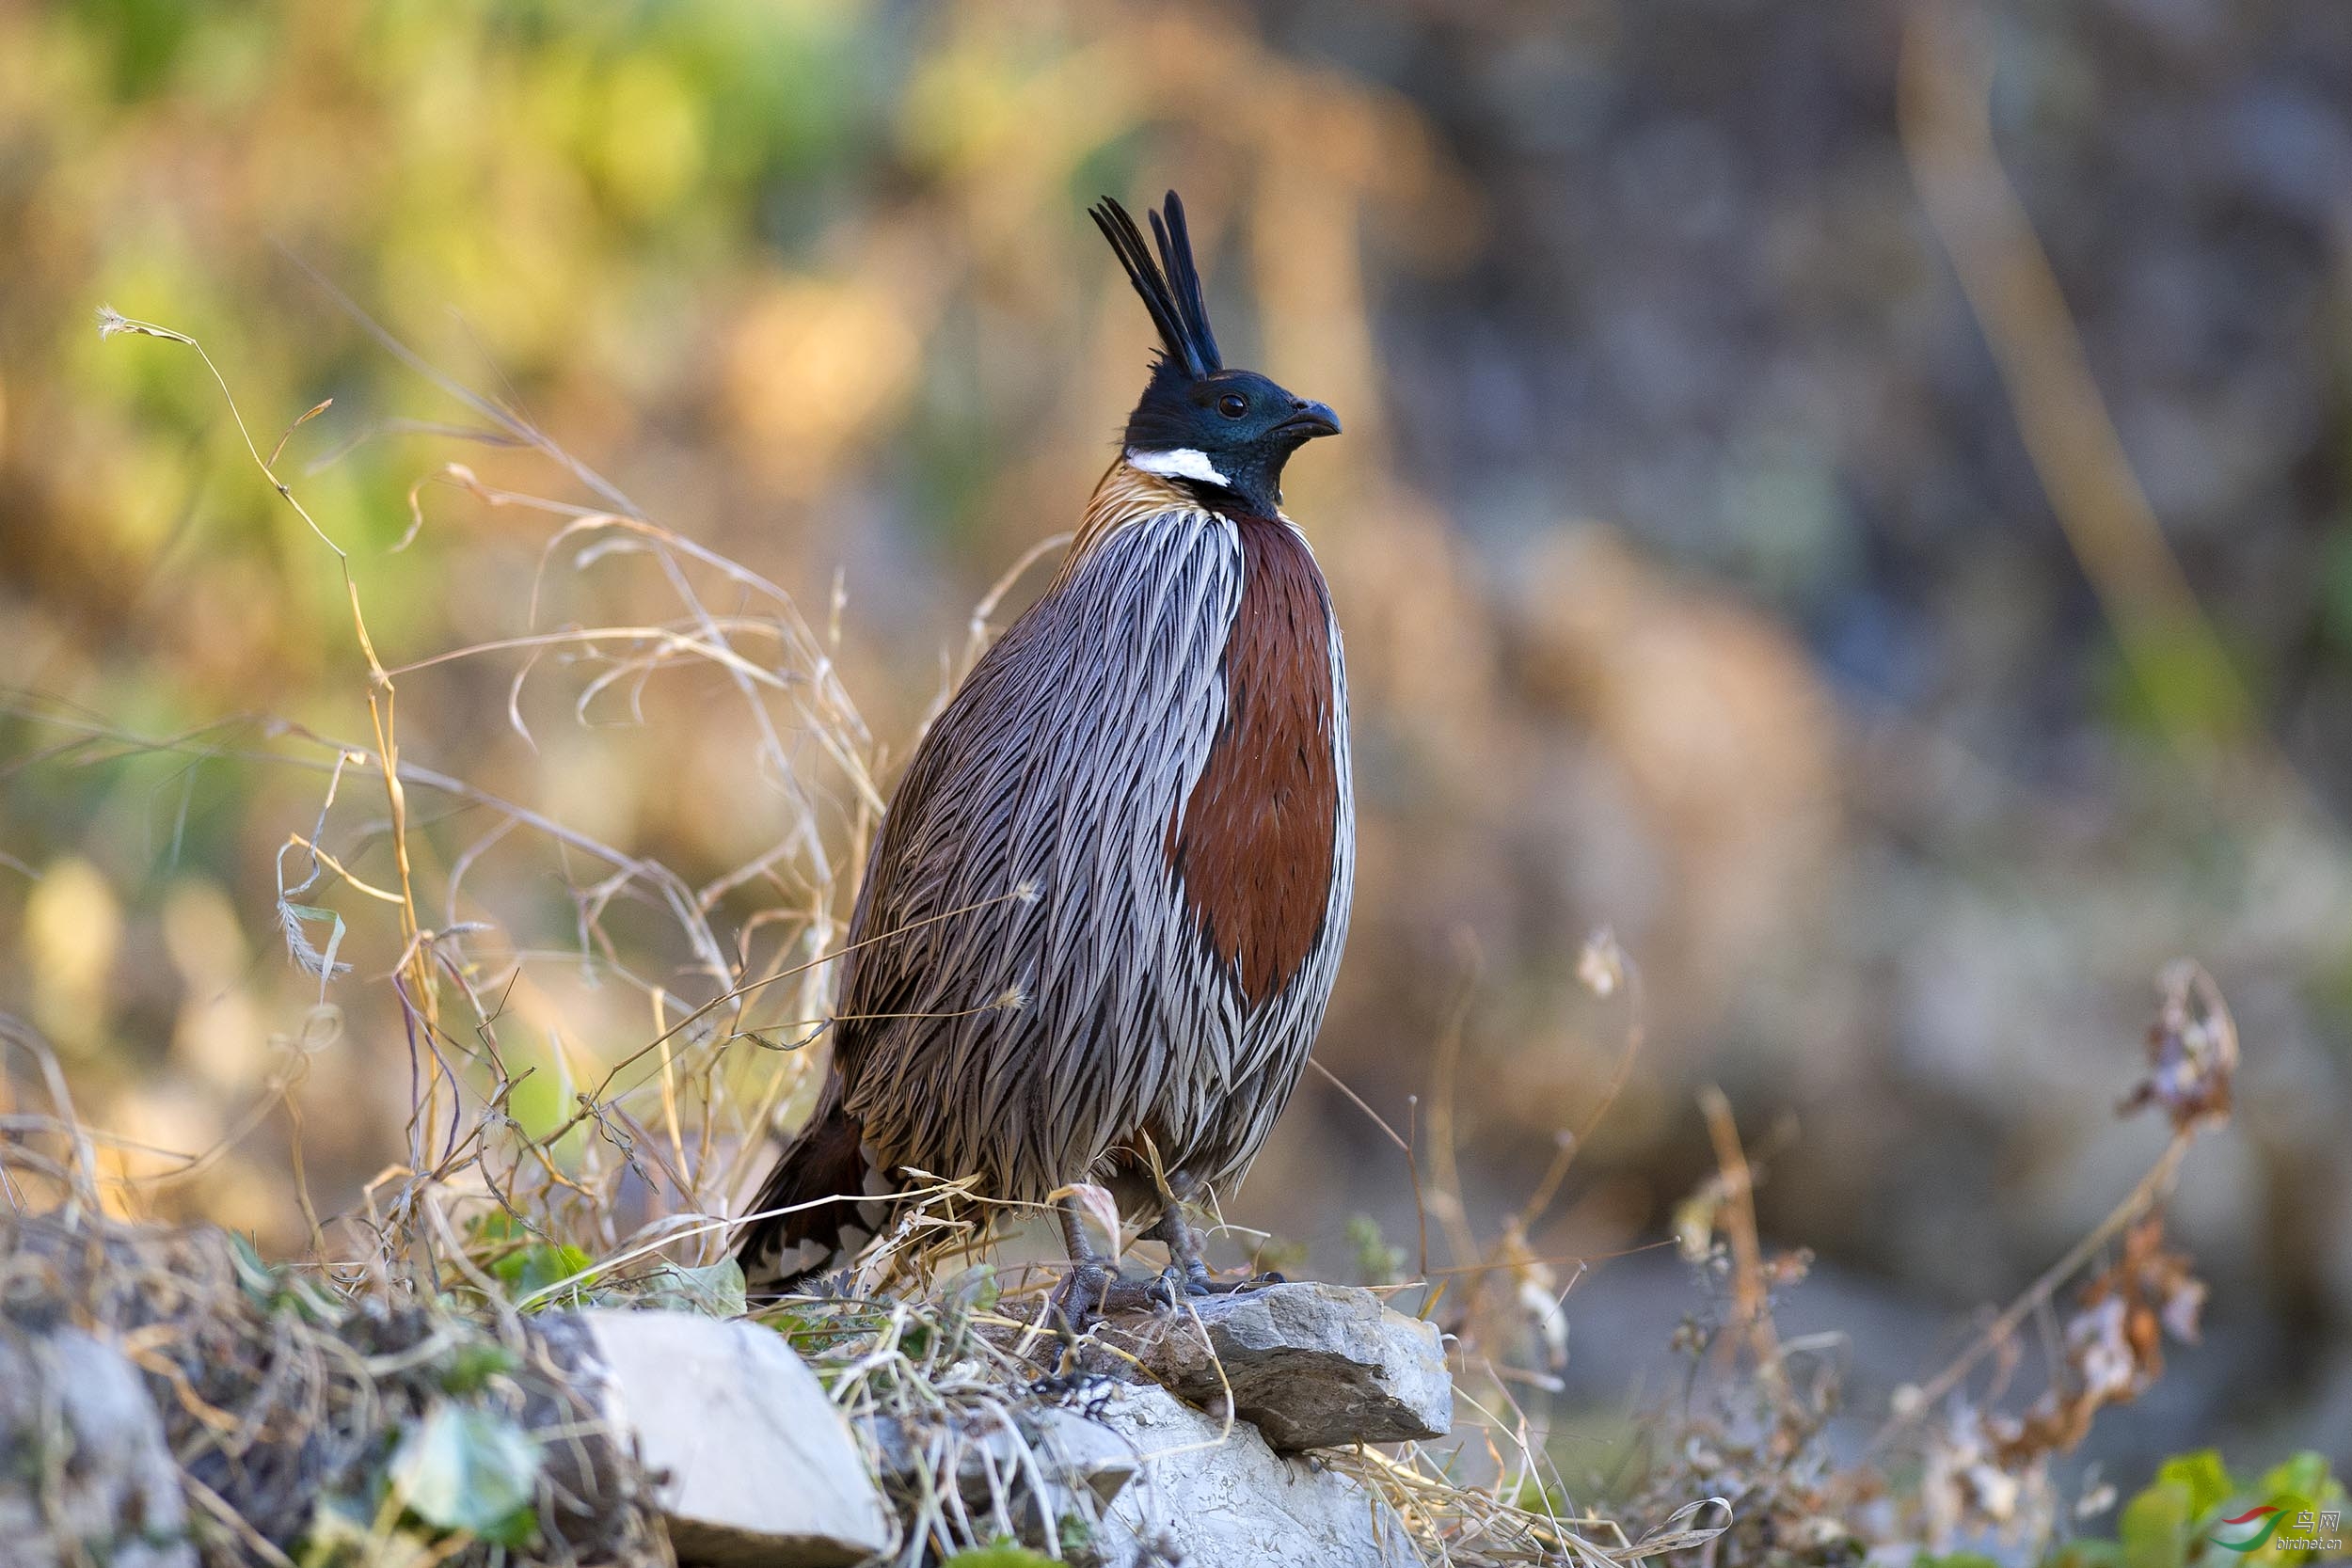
x=1029, y=988
x=1057, y=768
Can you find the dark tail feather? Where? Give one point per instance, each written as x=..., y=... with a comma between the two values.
x=820, y=1182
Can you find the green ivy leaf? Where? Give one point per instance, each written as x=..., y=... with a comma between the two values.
x=466, y=1470
x=472, y=1364
x=715, y=1289
x=2301, y=1485
x=2205, y=1477
x=2154, y=1530
x=2303, y=1476
x=999, y=1554
x=529, y=1269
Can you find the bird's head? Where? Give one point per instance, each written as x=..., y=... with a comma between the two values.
x=1222, y=434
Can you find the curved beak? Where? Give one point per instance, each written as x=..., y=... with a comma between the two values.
x=1308, y=420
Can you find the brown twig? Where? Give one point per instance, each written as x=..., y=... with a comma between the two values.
x=1751, y=1291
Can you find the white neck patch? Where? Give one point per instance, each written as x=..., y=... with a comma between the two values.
x=1184, y=462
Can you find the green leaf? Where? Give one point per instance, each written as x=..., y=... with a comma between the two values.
x=466, y=1470
x=343, y=1535
x=275, y=1289
x=715, y=1289
x=529, y=1269
x=2304, y=1477
x=2205, y=1477
x=524, y=1264
x=2154, y=1530
x=257, y=1279
x=472, y=1364
x=976, y=1289
x=2300, y=1484
x=999, y=1554
x=1955, y=1560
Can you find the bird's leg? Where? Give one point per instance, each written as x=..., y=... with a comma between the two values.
x=1093, y=1286
x=1184, y=1250
x=1078, y=1299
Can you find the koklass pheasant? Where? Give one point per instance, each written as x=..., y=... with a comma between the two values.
x=1134, y=817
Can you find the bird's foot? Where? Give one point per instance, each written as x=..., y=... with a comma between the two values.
x=1091, y=1291
x=1077, y=1303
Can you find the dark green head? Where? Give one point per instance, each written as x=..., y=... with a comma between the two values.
x=1224, y=435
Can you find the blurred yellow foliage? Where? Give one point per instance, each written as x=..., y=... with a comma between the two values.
x=813, y=366
x=218, y=1020
x=73, y=935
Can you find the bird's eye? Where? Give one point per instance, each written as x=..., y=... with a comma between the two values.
x=1232, y=405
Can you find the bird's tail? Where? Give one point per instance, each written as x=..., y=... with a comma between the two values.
x=815, y=1205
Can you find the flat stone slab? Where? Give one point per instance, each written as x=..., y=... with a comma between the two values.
x=1213, y=1497
x=754, y=1466
x=1310, y=1365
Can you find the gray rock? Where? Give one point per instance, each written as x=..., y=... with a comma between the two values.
x=87, y=1476
x=755, y=1466
x=1085, y=1453
x=1310, y=1365
x=1212, y=1497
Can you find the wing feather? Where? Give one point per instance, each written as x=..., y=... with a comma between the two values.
x=1056, y=765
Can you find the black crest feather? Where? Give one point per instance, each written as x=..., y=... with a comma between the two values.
x=1171, y=286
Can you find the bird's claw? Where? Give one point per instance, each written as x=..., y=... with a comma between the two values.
x=1090, y=1293
x=1077, y=1304
x=1168, y=1288
x=1093, y=1290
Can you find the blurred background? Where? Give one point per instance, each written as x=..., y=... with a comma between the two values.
x=1854, y=501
